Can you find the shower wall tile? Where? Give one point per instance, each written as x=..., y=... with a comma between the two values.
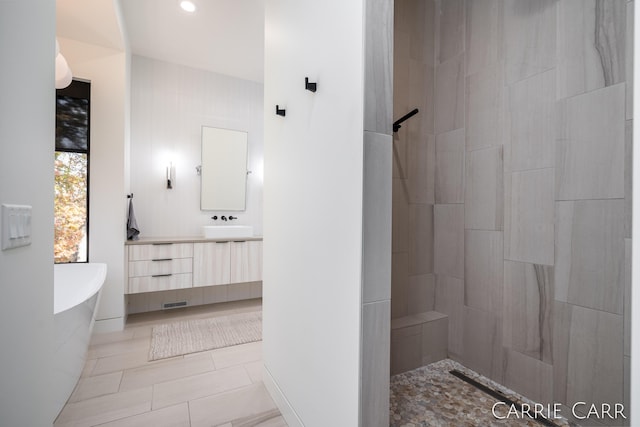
x=483, y=201
x=530, y=37
x=449, y=240
x=529, y=224
x=531, y=377
x=376, y=220
x=401, y=88
x=594, y=357
x=483, y=343
x=400, y=168
x=421, y=293
x=483, y=34
x=589, y=269
x=421, y=239
x=421, y=169
x=626, y=399
x=421, y=83
x=451, y=29
x=532, y=109
x=450, y=95
x=590, y=145
x=591, y=45
x=629, y=61
x=378, y=76
x=562, y=318
x=416, y=18
x=627, y=297
x=528, y=309
x=628, y=178
x=376, y=333
x=434, y=340
x=449, y=176
x=399, y=284
x=406, y=349
x=400, y=214
x=449, y=300
x=483, y=270
x=484, y=108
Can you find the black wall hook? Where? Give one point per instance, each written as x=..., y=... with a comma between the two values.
x=280, y=112
x=312, y=87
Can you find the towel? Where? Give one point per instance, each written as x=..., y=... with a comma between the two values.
x=132, y=224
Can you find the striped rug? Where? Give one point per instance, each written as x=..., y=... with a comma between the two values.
x=191, y=336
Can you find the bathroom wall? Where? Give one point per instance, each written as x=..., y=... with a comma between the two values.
x=27, y=106
x=169, y=105
x=531, y=222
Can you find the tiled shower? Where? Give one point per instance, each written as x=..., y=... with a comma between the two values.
x=512, y=190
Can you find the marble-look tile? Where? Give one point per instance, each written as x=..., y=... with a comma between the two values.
x=532, y=113
x=629, y=60
x=406, y=349
x=483, y=34
x=400, y=215
x=421, y=238
x=421, y=293
x=449, y=240
x=529, y=225
x=401, y=87
x=528, y=376
x=628, y=178
x=626, y=399
x=435, y=337
x=450, y=95
x=421, y=84
x=530, y=37
x=627, y=297
x=591, y=45
x=594, y=357
x=483, y=201
x=377, y=219
x=562, y=317
x=449, y=176
x=451, y=29
x=483, y=343
x=399, y=284
x=378, y=75
x=421, y=170
x=376, y=332
x=484, y=100
x=483, y=270
x=225, y=407
x=590, y=145
x=417, y=19
x=449, y=299
x=589, y=269
x=172, y=416
x=528, y=309
x=400, y=149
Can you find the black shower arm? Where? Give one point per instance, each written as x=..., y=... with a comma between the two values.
x=396, y=124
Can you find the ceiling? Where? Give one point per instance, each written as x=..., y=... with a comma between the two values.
x=223, y=36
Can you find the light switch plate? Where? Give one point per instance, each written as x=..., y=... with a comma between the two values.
x=16, y=226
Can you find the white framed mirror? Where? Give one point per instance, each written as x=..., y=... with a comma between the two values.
x=223, y=176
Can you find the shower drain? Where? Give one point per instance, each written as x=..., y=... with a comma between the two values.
x=503, y=398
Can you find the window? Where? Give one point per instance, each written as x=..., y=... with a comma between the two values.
x=71, y=166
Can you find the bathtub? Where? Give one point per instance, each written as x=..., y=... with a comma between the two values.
x=75, y=299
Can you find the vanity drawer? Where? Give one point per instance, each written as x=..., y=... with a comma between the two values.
x=160, y=251
x=160, y=266
x=162, y=282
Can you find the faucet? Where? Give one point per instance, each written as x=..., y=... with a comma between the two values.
x=232, y=217
x=224, y=218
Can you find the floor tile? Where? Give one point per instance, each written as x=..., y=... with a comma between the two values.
x=237, y=355
x=95, y=386
x=172, y=416
x=165, y=371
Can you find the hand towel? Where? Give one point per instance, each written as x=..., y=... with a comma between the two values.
x=132, y=224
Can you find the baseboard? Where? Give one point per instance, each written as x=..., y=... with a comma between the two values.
x=108, y=325
x=287, y=411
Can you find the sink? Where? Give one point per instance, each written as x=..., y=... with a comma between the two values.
x=227, y=231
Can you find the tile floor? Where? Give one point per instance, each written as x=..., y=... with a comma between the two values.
x=119, y=387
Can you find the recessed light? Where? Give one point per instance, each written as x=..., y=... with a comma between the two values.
x=188, y=6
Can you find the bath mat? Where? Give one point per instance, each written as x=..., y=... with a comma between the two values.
x=191, y=336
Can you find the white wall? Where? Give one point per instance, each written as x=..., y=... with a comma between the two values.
x=27, y=123
x=108, y=71
x=313, y=210
x=169, y=105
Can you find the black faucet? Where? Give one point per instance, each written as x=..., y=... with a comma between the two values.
x=224, y=218
x=232, y=217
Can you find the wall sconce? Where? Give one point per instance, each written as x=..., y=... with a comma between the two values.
x=169, y=176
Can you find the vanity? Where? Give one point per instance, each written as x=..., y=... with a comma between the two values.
x=176, y=272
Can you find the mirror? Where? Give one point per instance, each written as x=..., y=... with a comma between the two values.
x=223, y=177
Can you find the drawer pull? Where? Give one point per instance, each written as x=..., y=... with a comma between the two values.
x=162, y=275
x=159, y=244
x=222, y=242
x=239, y=241
x=162, y=259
